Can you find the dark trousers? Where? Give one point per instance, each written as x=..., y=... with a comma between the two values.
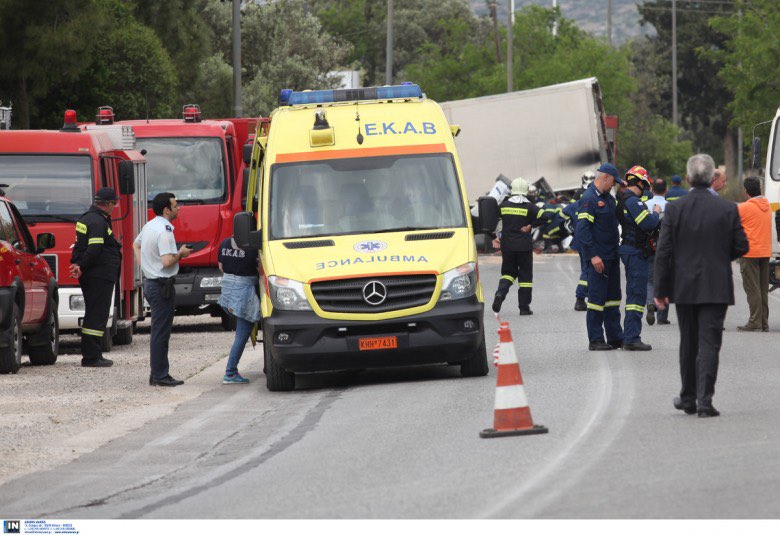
x=162, y=323
x=663, y=315
x=755, y=281
x=520, y=266
x=604, y=296
x=97, y=304
x=701, y=334
x=636, y=293
x=582, y=285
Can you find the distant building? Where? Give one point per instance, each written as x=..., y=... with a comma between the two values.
x=347, y=79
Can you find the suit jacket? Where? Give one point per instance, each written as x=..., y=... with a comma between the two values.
x=701, y=234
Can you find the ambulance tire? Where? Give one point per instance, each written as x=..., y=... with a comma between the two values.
x=46, y=355
x=11, y=356
x=477, y=365
x=277, y=379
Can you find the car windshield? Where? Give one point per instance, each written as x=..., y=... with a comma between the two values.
x=192, y=168
x=361, y=195
x=47, y=186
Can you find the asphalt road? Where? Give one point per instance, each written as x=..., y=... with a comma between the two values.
x=404, y=443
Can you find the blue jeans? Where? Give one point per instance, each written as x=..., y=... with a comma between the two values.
x=243, y=330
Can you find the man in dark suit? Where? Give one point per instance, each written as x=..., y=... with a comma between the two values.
x=701, y=235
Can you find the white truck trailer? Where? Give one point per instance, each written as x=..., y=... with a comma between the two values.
x=557, y=132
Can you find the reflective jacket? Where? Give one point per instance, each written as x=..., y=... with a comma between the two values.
x=675, y=192
x=597, y=225
x=514, y=216
x=96, y=250
x=637, y=223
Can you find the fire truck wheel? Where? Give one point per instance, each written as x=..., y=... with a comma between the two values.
x=124, y=337
x=277, y=379
x=11, y=356
x=47, y=354
x=477, y=365
x=228, y=322
x=107, y=342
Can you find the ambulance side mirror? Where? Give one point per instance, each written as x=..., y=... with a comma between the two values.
x=244, y=231
x=488, y=214
x=126, y=177
x=248, y=153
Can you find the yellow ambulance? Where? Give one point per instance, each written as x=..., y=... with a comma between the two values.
x=365, y=237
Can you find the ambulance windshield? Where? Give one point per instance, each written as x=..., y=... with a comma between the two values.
x=45, y=186
x=362, y=195
x=192, y=168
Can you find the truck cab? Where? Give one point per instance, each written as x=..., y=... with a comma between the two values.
x=366, y=243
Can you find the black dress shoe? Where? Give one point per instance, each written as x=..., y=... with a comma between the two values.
x=688, y=407
x=600, y=346
x=664, y=322
x=97, y=363
x=615, y=344
x=526, y=312
x=708, y=412
x=497, y=303
x=165, y=381
x=637, y=346
x=580, y=305
x=651, y=314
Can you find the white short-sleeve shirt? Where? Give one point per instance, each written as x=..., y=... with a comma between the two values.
x=156, y=239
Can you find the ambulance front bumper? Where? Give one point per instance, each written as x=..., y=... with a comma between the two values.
x=304, y=342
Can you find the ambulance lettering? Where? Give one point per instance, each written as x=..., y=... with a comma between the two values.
x=370, y=260
x=381, y=129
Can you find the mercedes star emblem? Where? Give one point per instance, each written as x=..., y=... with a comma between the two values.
x=374, y=293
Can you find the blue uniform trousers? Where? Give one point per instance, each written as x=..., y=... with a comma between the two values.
x=162, y=323
x=636, y=293
x=582, y=285
x=604, y=302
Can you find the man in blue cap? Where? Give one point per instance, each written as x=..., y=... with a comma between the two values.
x=676, y=191
x=598, y=239
x=95, y=262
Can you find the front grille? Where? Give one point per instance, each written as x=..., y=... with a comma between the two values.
x=307, y=244
x=346, y=295
x=51, y=259
x=430, y=236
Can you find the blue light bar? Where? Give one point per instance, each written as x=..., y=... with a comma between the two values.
x=284, y=96
x=352, y=95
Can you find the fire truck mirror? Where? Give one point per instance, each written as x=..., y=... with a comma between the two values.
x=243, y=231
x=45, y=240
x=248, y=153
x=126, y=178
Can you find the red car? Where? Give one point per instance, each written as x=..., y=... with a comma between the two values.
x=28, y=294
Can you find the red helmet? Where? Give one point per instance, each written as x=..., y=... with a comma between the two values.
x=639, y=173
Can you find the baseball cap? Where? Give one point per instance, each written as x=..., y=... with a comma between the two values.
x=105, y=195
x=610, y=169
x=676, y=179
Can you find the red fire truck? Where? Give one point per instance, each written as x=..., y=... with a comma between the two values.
x=199, y=161
x=52, y=176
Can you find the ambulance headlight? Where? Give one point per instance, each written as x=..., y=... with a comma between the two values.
x=287, y=294
x=459, y=283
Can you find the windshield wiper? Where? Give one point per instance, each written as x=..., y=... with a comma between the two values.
x=32, y=217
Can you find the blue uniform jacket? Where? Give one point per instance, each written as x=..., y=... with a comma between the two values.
x=597, y=225
x=570, y=213
x=636, y=217
x=675, y=192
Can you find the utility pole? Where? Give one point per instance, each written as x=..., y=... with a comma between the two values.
x=494, y=15
x=674, y=63
x=740, y=141
x=509, y=19
x=555, y=24
x=238, y=110
x=389, y=59
x=609, y=21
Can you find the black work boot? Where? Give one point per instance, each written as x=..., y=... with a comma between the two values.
x=526, y=311
x=497, y=303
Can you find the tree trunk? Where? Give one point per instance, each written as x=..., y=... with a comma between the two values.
x=729, y=155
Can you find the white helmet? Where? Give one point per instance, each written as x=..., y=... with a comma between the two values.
x=587, y=178
x=519, y=187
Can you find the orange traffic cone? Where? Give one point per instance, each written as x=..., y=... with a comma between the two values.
x=512, y=414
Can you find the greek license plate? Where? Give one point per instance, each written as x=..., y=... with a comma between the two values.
x=386, y=342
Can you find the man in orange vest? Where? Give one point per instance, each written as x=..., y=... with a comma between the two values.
x=756, y=216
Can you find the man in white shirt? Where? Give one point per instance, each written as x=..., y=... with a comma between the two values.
x=656, y=204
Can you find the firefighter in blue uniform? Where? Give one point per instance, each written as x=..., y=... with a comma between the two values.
x=518, y=216
x=598, y=239
x=570, y=214
x=638, y=223
x=95, y=262
x=676, y=191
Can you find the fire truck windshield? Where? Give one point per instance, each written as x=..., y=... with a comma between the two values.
x=192, y=168
x=45, y=186
x=362, y=195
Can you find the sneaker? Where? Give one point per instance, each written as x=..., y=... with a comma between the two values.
x=234, y=380
x=650, y=314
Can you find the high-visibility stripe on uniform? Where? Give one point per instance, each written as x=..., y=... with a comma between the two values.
x=612, y=304
x=641, y=216
x=585, y=215
x=110, y=232
x=91, y=332
x=506, y=210
x=525, y=284
x=671, y=199
x=93, y=241
x=510, y=278
x=81, y=228
x=595, y=307
x=582, y=282
x=636, y=308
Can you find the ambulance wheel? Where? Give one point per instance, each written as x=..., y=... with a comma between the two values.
x=124, y=337
x=277, y=379
x=11, y=356
x=477, y=365
x=106, y=341
x=47, y=354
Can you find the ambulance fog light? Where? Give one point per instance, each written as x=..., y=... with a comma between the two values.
x=283, y=338
x=469, y=325
x=211, y=282
x=459, y=283
x=76, y=302
x=287, y=294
